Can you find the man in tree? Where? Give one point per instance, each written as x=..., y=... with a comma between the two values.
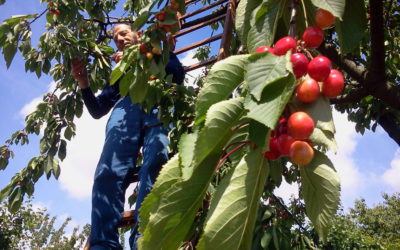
x=128, y=129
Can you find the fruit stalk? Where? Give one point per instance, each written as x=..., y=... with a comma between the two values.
x=293, y=12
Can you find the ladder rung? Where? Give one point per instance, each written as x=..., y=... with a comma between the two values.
x=195, y=45
x=200, y=25
x=202, y=9
x=200, y=64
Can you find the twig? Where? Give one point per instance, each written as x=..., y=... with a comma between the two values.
x=287, y=211
x=36, y=18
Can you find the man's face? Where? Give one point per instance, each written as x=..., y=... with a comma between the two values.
x=123, y=36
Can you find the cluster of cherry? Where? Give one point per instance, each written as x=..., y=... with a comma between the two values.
x=314, y=77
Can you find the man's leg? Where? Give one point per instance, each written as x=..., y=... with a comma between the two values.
x=112, y=174
x=155, y=154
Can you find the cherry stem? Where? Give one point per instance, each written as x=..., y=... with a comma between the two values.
x=233, y=143
x=231, y=152
x=305, y=12
x=292, y=29
x=239, y=126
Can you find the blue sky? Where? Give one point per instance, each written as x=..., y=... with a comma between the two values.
x=368, y=165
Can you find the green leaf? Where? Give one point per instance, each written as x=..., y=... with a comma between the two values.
x=170, y=174
x=263, y=70
x=49, y=165
x=9, y=51
x=321, y=192
x=272, y=103
x=244, y=16
x=266, y=239
x=186, y=153
x=320, y=110
x=62, y=150
x=231, y=219
x=352, y=29
x=56, y=168
x=138, y=88
x=259, y=134
x=324, y=138
x=172, y=219
x=264, y=21
x=336, y=7
x=143, y=15
x=222, y=79
x=276, y=168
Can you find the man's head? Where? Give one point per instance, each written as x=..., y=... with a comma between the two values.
x=123, y=35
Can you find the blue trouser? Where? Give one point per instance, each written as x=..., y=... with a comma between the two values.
x=124, y=137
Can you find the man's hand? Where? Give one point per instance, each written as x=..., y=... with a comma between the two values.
x=79, y=72
x=117, y=56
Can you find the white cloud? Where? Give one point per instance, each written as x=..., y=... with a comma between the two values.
x=392, y=175
x=40, y=206
x=31, y=106
x=83, y=153
x=187, y=60
x=352, y=179
x=286, y=190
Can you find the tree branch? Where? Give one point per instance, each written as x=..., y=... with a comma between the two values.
x=389, y=124
x=358, y=73
x=354, y=95
x=377, y=40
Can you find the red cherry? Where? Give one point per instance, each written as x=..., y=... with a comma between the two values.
x=300, y=62
x=324, y=18
x=273, y=152
x=284, y=44
x=334, y=84
x=308, y=90
x=282, y=127
x=143, y=48
x=284, y=143
x=300, y=125
x=313, y=36
x=301, y=153
x=319, y=68
x=264, y=49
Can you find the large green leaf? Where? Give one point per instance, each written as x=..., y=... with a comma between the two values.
x=172, y=219
x=336, y=7
x=230, y=221
x=243, y=17
x=352, y=29
x=324, y=138
x=264, y=21
x=273, y=102
x=321, y=192
x=9, y=51
x=320, y=110
x=170, y=173
x=186, y=153
x=222, y=79
x=263, y=70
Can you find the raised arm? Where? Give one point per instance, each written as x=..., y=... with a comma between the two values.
x=103, y=103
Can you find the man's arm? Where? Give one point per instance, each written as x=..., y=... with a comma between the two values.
x=175, y=68
x=97, y=106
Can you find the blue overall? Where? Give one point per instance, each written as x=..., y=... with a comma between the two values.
x=125, y=135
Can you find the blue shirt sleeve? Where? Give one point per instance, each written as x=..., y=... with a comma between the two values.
x=100, y=105
x=175, y=68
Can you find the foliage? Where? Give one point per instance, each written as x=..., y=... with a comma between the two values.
x=31, y=228
x=214, y=191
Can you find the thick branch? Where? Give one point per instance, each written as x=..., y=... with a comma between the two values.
x=389, y=124
x=353, y=96
x=358, y=73
x=377, y=40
